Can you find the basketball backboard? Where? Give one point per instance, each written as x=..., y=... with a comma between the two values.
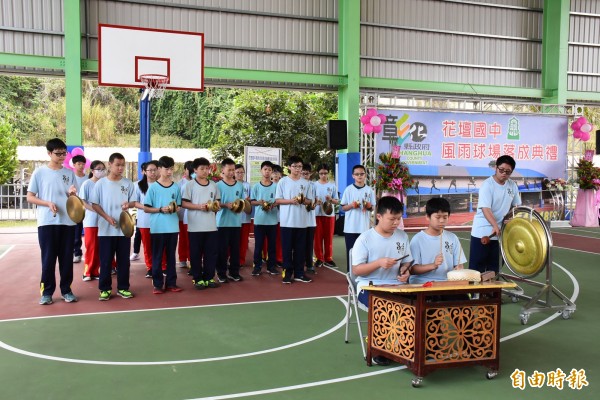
x=126, y=52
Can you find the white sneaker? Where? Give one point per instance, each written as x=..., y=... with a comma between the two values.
x=134, y=256
x=76, y=259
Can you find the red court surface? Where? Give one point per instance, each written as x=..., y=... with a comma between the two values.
x=20, y=269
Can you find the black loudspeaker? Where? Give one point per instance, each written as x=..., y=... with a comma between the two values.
x=337, y=134
x=598, y=141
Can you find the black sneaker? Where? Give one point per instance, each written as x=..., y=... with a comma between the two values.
x=148, y=275
x=330, y=264
x=304, y=279
x=211, y=284
x=222, y=278
x=200, y=285
x=380, y=360
x=310, y=271
x=318, y=264
x=287, y=278
x=236, y=278
x=273, y=271
x=256, y=271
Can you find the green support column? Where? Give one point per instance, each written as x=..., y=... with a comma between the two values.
x=72, y=18
x=349, y=67
x=555, y=51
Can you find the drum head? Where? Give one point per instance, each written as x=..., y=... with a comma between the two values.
x=524, y=245
x=75, y=209
x=126, y=223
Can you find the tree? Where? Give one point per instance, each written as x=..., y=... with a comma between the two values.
x=293, y=121
x=8, y=151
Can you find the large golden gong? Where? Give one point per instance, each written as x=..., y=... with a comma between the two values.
x=524, y=244
x=75, y=209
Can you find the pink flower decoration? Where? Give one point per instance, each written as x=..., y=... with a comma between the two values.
x=77, y=151
x=372, y=121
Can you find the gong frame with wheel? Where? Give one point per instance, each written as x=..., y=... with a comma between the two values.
x=521, y=239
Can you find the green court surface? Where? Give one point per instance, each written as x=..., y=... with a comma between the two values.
x=291, y=349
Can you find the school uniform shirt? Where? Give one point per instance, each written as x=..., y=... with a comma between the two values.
x=261, y=192
x=52, y=185
x=322, y=190
x=182, y=213
x=357, y=220
x=143, y=218
x=246, y=218
x=229, y=193
x=159, y=196
x=498, y=198
x=85, y=192
x=311, y=216
x=80, y=180
x=197, y=193
x=292, y=215
x=425, y=248
x=110, y=195
x=370, y=246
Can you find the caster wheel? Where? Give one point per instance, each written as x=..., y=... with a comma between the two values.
x=491, y=374
x=524, y=319
x=416, y=382
x=566, y=314
x=514, y=299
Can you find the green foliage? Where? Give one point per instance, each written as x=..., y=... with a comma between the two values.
x=294, y=121
x=8, y=151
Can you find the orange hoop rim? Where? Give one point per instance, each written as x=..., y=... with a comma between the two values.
x=154, y=80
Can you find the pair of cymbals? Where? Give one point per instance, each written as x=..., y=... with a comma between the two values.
x=327, y=207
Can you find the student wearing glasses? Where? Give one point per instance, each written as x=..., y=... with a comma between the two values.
x=497, y=195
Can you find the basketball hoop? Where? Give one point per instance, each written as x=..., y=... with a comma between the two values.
x=156, y=83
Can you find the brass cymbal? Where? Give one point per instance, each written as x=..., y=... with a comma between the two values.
x=247, y=206
x=524, y=245
x=75, y=209
x=237, y=206
x=213, y=205
x=126, y=224
x=327, y=207
x=172, y=207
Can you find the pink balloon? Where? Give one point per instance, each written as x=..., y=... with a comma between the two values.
x=371, y=112
x=368, y=128
x=382, y=118
x=577, y=134
x=377, y=129
x=365, y=119
x=585, y=136
x=575, y=125
x=582, y=120
x=375, y=121
x=586, y=127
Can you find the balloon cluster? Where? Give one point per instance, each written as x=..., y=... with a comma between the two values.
x=77, y=151
x=372, y=122
x=582, y=129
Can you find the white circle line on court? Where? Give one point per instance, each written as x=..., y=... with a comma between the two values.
x=7, y=251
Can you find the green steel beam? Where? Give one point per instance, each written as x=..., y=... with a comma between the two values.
x=349, y=67
x=574, y=96
x=31, y=61
x=272, y=76
x=555, y=50
x=443, y=87
x=72, y=48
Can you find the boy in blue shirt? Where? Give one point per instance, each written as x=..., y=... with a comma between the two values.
x=229, y=224
x=435, y=251
x=265, y=219
x=112, y=195
x=164, y=225
x=292, y=214
x=498, y=194
x=49, y=188
x=79, y=162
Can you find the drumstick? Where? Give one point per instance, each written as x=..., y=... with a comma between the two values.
x=486, y=239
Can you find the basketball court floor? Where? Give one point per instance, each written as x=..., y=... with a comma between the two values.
x=262, y=339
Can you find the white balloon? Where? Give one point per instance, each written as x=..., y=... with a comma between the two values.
x=375, y=120
x=586, y=127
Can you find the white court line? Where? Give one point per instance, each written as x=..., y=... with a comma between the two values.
x=575, y=230
x=7, y=250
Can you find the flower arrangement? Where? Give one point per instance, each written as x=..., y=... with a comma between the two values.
x=588, y=175
x=391, y=175
x=558, y=184
x=214, y=174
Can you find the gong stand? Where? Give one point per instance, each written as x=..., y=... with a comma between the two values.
x=526, y=246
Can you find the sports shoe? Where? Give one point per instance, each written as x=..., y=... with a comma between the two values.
x=222, y=278
x=86, y=278
x=304, y=279
x=330, y=264
x=319, y=264
x=134, y=256
x=273, y=271
x=148, y=275
x=235, y=278
x=174, y=289
x=113, y=271
x=310, y=271
x=200, y=285
x=183, y=264
x=104, y=295
x=96, y=277
x=256, y=271
x=69, y=297
x=76, y=259
x=46, y=300
x=287, y=278
x=379, y=360
x=157, y=291
x=126, y=294
x=212, y=284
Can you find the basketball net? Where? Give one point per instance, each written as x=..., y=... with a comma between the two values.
x=155, y=84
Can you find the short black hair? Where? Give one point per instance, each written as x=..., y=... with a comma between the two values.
x=115, y=156
x=55, y=144
x=227, y=161
x=358, y=166
x=188, y=165
x=200, y=161
x=306, y=167
x=391, y=204
x=166, y=162
x=323, y=166
x=266, y=163
x=435, y=205
x=294, y=160
x=238, y=166
x=506, y=159
x=277, y=168
x=78, y=158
